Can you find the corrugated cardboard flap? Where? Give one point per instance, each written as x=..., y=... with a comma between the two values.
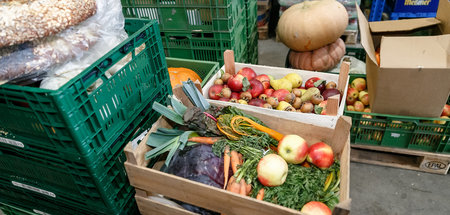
x=443, y=14
x=366, y=37
x=401, y=25
x=415, y=52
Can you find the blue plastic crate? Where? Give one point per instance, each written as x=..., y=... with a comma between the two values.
x=416, y=6
x=396, y=16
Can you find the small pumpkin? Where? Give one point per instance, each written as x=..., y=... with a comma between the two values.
x=310, y=25
x=321, y=59
x=180, y=74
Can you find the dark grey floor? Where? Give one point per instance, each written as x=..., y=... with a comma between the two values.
x=377, y=190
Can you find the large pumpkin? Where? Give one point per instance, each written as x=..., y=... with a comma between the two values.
x=180, y=74
x=321, y=59
x=312, y=24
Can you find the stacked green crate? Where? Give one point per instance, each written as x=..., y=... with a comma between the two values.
x=251, y=8
x=199, y=30
x=65, y=146
x=418, y=133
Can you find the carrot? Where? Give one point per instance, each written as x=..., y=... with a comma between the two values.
x=260, y=195
x=233, y=185
x=237, y=121
x=243, y=190
x=248, y=189
x=241, y=159
x=305, y=164
x=234, y=161
x=226, y=164
x=206, y=140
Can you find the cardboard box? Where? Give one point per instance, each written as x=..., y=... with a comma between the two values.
x=414, y=76
x=277, y=73
x=149, y=181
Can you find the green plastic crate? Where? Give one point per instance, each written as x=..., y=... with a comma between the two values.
x=251, y=8
x=35, y=204
x=98, y=186
x=357, y=52
x=399, y=131
x=11, y=210
x=204, y=69
x=72, y=120
x=206, y=46
x=252, y=47
x=187, y=15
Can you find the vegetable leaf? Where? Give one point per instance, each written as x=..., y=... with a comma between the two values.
x=319, y=82
x=170, y=114
x=245, y=84
x=178, y=107
x=172, y=151
x=160, y=149
x=184, y=138
x=318, y=109
x=194, y=95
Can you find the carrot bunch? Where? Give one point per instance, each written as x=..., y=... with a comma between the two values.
x=234, y=185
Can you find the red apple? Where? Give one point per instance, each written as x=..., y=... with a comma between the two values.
x=321, y=155
x=364, y=97
x=359, y=84
x=269, y=91
x=272, y=170
x=446, y=110
x=316, y=82
x=214, y=91
x=359, y=106
x=293, y=149
x=350, y=108
x=350, y=100
x=315, y=208
x=247, y=72
x=280, y=94
x=321, y=108
x=264, y=79
x=352, y=92
x=257, y=102
x=235, y=95
x=256, y=88
x=235, y=83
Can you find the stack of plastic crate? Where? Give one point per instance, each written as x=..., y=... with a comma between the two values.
x=398, y=9
x=61, y=151
x=251, y=9
x=196, y=29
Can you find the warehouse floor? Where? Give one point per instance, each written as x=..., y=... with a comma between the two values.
x=377, y=190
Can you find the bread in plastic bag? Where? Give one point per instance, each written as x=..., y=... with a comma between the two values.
x=66, y=54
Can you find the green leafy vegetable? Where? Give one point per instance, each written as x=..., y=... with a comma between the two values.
x=167, y=140
x=178, y=107
x=167, y=112
x=303, y=185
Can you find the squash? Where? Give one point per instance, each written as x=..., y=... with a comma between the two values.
x=310, y=25
x=180, y=74
x=321, y=59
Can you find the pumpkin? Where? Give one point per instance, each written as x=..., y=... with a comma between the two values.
x=310, y=25
x=180, y=74
x=321, y=59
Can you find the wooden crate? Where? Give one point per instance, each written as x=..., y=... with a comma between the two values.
x=152, y=181
x=401, y=158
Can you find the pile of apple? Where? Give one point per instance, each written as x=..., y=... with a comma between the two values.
x=357, y=96
x=287, y=93
x=272, y=169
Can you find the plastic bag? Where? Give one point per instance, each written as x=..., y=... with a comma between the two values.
x=356, y=66
x=64, y=55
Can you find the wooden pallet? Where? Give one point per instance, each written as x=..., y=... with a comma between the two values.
x=401, y=158
x=350, y=36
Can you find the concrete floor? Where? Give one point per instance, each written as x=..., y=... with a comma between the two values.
x=377, y=190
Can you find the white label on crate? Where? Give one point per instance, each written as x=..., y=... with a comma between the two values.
x=35, y=189
x=396, y=135
x=40, y=212
x=12, y=142
x=135, y=142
